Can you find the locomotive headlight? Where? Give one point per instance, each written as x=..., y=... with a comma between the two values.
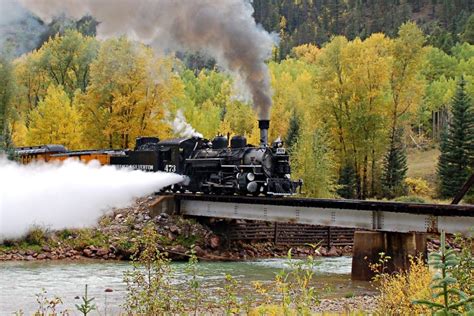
x=250, y=176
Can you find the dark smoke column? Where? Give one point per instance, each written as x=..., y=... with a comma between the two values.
x=223, y=29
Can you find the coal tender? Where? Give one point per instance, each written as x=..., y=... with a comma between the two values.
x=215, y=167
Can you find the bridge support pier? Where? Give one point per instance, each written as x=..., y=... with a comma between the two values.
x=398, y=246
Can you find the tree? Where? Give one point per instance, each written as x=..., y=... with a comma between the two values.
x=293, y=132
x=55, y=121
x=468, y=34
x=353, y=84
x=67, y=58
x=395, y=168
x=207, y=95
x=129, y=93
x=307, y=52
x=293, y=83
x=313, y=162
x=406, y=89
x=457, y=144
x=346, y=182
x=6, y=93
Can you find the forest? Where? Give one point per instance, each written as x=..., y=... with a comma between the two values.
x=353, y=87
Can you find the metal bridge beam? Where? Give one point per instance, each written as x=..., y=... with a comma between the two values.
x=380, y=216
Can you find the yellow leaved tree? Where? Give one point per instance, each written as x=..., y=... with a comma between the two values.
x=55, y=121
x=129, y=94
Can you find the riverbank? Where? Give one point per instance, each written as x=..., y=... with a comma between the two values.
x=117, y=232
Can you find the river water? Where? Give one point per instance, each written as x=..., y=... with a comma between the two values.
x=21, y=281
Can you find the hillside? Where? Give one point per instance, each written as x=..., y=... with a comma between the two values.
x=309, y=21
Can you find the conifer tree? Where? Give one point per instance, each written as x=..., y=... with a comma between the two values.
x=468, y=34
x=293, y=132
x=457, y=144
x=347, y=182
x=395, y=167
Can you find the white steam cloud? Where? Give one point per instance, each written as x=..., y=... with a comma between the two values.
x=69, y=194
x=183, y=128
x=223, y=29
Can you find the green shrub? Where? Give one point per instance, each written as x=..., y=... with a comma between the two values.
x=36, y=236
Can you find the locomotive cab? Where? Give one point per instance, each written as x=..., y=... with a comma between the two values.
x=172, y=153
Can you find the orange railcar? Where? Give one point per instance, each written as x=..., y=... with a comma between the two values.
x=50, y=153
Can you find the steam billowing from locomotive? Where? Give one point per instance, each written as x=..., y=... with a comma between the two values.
x=69, y=194
x=222, y=29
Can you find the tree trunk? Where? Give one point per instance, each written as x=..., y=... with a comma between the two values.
x=364, y=177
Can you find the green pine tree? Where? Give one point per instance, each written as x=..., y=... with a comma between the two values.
x=457, y=144
x=468, y=34
x=347, y=182
x=395, y=167
x=293, y=132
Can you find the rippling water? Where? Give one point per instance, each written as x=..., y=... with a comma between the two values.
x=20, y=281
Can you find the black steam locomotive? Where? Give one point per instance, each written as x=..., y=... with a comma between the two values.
x=215, y=167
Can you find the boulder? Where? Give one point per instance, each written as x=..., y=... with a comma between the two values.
x=102, y=252
x=199, y=251
x=41, y=256
x=214, y=241
x=175, y=229
x=333, y=252
x=179, y=249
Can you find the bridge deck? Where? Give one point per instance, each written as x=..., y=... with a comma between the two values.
x=373, y=215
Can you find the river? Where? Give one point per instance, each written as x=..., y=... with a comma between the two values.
x=21, y=281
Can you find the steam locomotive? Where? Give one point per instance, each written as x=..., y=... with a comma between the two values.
x=211, y=167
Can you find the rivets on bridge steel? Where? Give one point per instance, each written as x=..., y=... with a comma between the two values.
x=431, y=224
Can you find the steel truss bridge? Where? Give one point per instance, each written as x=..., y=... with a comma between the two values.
x=368, y=215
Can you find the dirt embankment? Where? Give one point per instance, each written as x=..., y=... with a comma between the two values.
x=117, y=233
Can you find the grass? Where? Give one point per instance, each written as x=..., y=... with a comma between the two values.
x=422, y=164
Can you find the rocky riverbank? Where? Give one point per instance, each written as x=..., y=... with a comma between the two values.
x=116, y=235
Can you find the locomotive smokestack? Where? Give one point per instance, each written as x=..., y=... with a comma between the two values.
x=264, y=125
